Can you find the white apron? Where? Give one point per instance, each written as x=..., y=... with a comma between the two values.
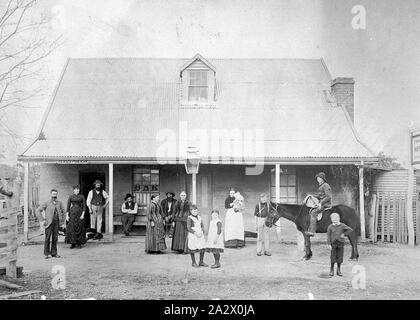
x=212, y=236
x=194, y=241
x=234, y=225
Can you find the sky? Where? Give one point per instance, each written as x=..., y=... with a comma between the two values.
x=383, y=58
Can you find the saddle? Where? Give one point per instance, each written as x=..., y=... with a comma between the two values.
x=312, y=202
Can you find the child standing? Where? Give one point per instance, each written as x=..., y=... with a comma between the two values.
x=335, y=237
x=196, y=241
x=215, y=238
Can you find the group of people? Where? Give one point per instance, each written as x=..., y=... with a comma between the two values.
x=180, y=220
x=71, y=218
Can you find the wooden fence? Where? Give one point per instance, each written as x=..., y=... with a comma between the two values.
x=389, y=217
x=9, y=229
x=8, y=240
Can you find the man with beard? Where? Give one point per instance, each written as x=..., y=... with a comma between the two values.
x=168, y=211
x=97, y=201
x=54, y=216
x=129, y=210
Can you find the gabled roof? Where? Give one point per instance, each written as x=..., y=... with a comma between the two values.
x=194, y=59
x=121, y=109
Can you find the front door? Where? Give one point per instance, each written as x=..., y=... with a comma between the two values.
x=86, y=184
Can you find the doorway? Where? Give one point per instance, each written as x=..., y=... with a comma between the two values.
x=86, y=180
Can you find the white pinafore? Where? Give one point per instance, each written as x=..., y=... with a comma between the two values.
x=212, y=236
x=194, y=241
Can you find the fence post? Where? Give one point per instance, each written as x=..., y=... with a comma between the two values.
x=372, y=218
x=375, y=232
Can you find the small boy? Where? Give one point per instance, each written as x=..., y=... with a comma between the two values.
x=335, y=237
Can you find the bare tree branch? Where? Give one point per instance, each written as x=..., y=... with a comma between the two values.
x=25, y=42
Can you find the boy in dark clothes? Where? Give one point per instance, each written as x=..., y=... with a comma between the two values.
x=335, y=237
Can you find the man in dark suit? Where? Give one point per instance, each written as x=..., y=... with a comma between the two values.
x=168, y=211
x=54, y=216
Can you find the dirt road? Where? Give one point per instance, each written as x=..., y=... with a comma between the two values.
x=122, y=270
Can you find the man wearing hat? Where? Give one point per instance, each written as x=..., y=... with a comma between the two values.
x=325, y=198
x=96, y=201
x=129, y=210
x=168, y=211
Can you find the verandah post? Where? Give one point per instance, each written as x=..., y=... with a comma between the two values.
x=362, y=203
x=25, y=203
x=410, y=190
x=111, y=200
x=277, y=172
x=277, y=186
x=194, y=188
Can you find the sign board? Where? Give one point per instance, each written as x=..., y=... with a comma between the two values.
x=415, y=149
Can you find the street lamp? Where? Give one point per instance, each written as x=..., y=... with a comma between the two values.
x=192, y=163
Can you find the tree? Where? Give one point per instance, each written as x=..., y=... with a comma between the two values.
x=25, y=41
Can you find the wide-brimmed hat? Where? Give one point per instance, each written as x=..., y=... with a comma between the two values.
x=128, y=195
x=321, y=175
x=98, y=181
x=170, y=192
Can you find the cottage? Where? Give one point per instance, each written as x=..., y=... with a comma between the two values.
x=258, y=125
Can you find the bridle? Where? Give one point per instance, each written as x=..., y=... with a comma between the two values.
x=300, y=211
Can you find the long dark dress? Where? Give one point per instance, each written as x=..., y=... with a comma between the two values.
x=155, y=235
x=179, y=239
x=228, y=201
x=75, y=230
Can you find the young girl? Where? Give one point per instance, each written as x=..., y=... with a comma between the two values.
x=196, y=241
x=335, y=237
x=215, y=238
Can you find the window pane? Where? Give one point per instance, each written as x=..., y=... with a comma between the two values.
x=203, y=93
x=291, y=180
x=283, y=191
x=198, y=78
x=283, y=180
x=291, y=191
x=155, y=179
x=145, y=179
x=197, y=93
x=137, y=178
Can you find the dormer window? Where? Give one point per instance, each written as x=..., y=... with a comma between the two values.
x=198, y=88
x=198, y=79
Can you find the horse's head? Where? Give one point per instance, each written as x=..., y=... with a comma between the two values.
x=288, y=211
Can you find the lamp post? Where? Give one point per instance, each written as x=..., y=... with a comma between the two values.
x=192, y=163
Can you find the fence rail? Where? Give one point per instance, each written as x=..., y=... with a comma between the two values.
x=8, y=240
x=390, y=217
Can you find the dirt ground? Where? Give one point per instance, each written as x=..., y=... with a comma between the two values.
x=122, y=270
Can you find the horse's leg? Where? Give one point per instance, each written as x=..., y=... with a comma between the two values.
x=353, y=241
x=308, y=252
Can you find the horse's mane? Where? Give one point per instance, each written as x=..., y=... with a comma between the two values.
x=289, y=205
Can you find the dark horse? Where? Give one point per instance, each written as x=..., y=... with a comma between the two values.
x=299, y=214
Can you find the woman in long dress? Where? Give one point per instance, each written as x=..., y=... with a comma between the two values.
x=234, y=224
x=75, y=229
x=155, y=230
x=182, y=211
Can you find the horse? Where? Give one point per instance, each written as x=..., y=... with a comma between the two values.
x=299, y=214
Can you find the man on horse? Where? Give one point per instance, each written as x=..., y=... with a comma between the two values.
x=325, y=198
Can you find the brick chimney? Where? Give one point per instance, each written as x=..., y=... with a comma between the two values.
x=343, y=91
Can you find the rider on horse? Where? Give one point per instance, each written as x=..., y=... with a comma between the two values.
x=325, y=198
